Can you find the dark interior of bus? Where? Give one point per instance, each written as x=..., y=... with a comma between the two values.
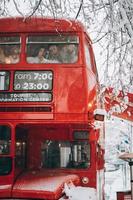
x=47, y=149
x=42, y=147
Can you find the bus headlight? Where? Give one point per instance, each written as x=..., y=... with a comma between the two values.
x=85, y=180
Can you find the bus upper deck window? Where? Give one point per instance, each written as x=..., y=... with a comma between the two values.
x=9, y=49
x=5, y=139
x=4, y=80
x=52, y=49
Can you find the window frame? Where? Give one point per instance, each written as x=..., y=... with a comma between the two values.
x=55, y=34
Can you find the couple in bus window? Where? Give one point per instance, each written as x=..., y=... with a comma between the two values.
x=43, y=56
x=65, y=54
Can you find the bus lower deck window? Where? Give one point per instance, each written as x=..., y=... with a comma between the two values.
x=65, y=154
x=5, y=140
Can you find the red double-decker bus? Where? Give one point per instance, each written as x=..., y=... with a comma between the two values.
x=48, y=98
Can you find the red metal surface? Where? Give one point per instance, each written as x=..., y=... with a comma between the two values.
x=124, y=195
x=6, y=185
x=39, y=25
x=42, y=184
x=5, y=189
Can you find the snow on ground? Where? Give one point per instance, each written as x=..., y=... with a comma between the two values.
x=78, y=193
x=118, y=140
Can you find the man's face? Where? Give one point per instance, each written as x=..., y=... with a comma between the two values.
x=53, y=50
x=71, y=48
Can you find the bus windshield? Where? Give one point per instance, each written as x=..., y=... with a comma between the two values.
x=52, y=49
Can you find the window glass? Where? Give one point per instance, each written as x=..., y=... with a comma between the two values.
x=65, y=154
x=5, y=165
x=90, y=59
x=4, y=80
x=87, y=56
x=52, y=49
x=20, y=148
x=20, y=154
x=9, y=49
x=5, y=139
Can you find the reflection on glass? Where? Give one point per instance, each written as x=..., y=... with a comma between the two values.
x=5, y=139
x=9, y=49
x=4, y=80
x=20, y=154
x=52, y=49
x=66, y=154
x=5, y=165
x=20, y=148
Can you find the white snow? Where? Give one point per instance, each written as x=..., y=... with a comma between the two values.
x=78, y=193
x=118, y=140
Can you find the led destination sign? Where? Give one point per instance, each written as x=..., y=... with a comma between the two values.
x=25, y=97
x=33, y=80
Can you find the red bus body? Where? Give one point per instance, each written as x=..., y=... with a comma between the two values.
x=124, y=195
x=58, y=111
